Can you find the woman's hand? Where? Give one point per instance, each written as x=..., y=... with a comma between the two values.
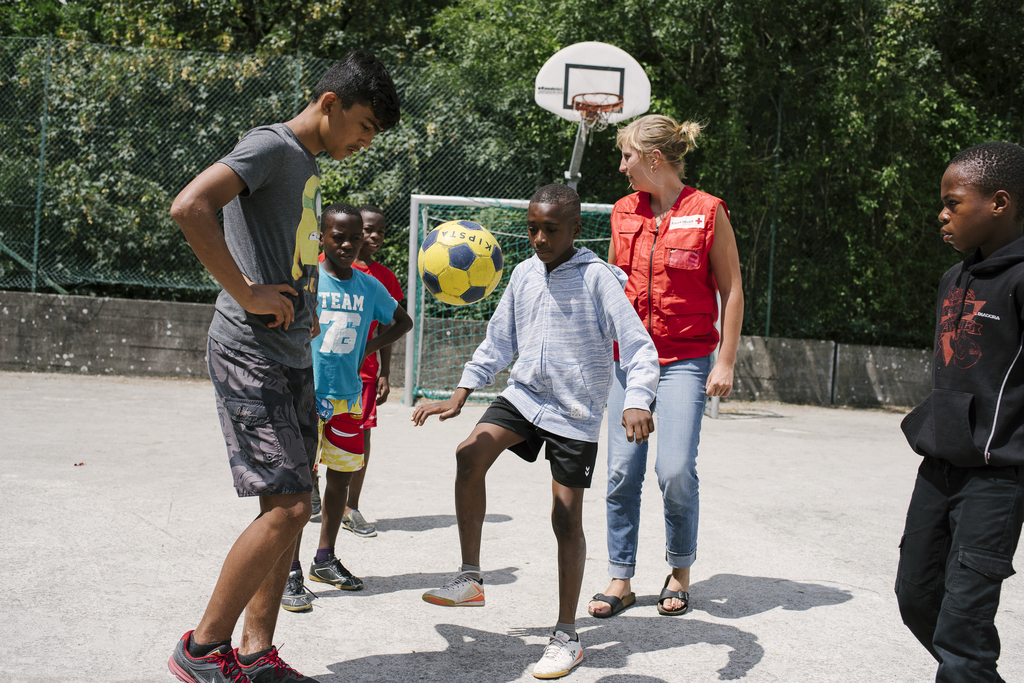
x=720, y=380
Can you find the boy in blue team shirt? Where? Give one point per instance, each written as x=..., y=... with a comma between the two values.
x=348, y=301
x=561, y=312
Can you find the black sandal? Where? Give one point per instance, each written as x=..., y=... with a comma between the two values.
x=667, y=594
x=616, y=604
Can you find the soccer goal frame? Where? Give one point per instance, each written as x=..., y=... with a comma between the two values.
x=418, y=219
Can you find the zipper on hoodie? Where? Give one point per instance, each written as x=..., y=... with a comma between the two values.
x=999, y=399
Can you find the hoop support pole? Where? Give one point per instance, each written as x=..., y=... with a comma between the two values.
x=573, y=174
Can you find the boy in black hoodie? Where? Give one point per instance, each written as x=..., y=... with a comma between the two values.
x=965, y=515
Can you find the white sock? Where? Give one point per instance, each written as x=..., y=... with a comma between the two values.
x=473, y=571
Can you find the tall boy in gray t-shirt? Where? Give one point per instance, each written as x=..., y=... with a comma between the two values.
x=258, y=351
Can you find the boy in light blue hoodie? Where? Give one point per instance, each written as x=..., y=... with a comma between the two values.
x=561, y=311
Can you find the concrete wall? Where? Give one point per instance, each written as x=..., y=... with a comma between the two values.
x=881, y=375
x=54, y=333
x=786, y=370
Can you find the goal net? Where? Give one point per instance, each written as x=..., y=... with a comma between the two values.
x=444, y=336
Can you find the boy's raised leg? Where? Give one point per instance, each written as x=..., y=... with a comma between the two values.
x=474, y=457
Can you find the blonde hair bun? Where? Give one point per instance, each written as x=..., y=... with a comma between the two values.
x=662, y=133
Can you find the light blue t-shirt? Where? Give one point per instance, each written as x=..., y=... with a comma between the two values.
x=345, y=309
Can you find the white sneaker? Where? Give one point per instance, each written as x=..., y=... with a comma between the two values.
x=462, y=591
x=560, y=657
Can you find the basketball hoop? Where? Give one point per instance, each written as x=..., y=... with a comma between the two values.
x=595, y=85
x=595, y=107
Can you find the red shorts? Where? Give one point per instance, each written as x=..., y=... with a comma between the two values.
x=369, y=405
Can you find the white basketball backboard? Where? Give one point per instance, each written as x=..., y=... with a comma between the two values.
x=592, y=67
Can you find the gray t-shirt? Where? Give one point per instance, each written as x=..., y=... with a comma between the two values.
x=272, y=230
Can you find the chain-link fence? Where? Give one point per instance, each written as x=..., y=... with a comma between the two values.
x=95, y=142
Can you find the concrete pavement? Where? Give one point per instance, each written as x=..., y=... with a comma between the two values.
x=106, y=564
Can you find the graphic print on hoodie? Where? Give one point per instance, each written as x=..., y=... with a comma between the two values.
x=957, y=328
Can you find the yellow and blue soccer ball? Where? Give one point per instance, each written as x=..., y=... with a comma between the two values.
x=460, y=262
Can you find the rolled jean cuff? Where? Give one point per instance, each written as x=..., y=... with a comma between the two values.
x=621, y=571
x=681, y=561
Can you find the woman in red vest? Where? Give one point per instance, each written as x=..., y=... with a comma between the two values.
x=678, y=248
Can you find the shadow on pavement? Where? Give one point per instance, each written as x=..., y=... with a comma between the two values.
x=610, y=642
x=428, y=522
x=472, y=655
x=731, y=596
x=730, y=413
x=379, y=585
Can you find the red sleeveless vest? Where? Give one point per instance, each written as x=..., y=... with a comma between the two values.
x=671, y=285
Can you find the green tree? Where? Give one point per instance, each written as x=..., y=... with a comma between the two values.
x=876, y=97
x=393, y=29
x=873, y=98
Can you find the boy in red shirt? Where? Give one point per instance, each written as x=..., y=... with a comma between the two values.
x=375, y=375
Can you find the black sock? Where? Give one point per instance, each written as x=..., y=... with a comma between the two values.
x=296, y=567
x=249, y=660
x=567, y=629
x=196, y=650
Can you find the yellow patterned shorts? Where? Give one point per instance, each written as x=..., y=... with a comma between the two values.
x=341, y=440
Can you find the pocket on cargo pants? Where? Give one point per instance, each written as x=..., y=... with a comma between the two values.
x=977, y=581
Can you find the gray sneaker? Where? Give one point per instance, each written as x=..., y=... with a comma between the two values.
x=357, y=524
x=296, y=598
x=333, y=572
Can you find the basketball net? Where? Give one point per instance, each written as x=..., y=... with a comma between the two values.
x=594, y=108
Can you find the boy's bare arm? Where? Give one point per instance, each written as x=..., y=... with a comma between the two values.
x=401, y=324
x=384, y=376
x=195, y=211
x=638, y=423
x=443, y=409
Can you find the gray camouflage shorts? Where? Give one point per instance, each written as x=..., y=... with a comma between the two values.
x=267, y=412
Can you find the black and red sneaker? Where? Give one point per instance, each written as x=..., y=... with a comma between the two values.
x=220, y=666
x=270, y=668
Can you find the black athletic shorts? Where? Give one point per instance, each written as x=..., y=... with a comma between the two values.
x=572, y=461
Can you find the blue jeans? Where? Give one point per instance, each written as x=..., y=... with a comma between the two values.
x=680, y=407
